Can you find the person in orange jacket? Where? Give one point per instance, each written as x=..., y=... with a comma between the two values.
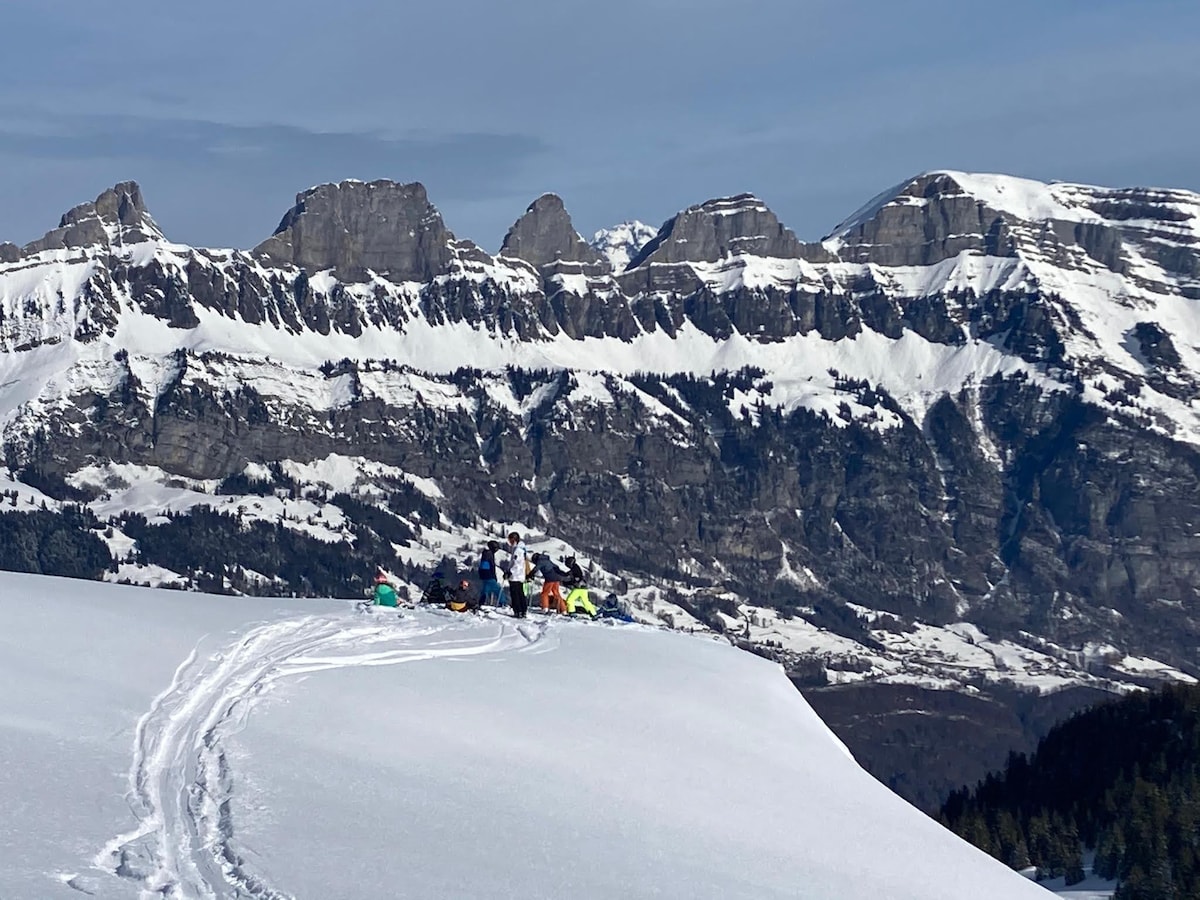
x=552, y=577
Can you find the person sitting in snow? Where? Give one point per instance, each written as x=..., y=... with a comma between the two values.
x=612, y=608
x=461, y=598
x=437, y=591
x=384, y=594
x=552, y=577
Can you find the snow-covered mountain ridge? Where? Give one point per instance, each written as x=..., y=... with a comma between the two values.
x=951, y=259
x=974, y=405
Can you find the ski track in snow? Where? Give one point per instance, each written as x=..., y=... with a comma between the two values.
x=181, y=788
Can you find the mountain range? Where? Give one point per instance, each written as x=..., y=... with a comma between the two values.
x=943, y=460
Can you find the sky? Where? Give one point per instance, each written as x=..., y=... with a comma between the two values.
x=630, y=109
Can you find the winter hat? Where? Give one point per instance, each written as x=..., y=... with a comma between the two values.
x=493, y=545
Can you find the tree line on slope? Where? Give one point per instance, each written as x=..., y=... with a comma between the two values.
x=52, y=543
x=215, y=551
x=1121, y=779
x=220, y=552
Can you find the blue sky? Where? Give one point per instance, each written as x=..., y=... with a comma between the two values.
x=223, y=111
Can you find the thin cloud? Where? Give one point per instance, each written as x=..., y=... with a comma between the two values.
x=481, y=159
x=218, y=184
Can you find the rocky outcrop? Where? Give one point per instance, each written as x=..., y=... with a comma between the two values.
x=940, y=215
x=715, y=232
x=924, y=222
x=117, y=217
x=724, y=227
x=355, y=228
x=545, y=235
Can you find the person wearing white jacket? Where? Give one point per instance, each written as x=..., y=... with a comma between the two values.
x=517, y=568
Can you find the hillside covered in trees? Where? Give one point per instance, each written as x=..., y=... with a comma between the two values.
x=1121, y=779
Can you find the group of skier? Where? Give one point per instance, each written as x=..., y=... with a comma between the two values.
x=518, y=567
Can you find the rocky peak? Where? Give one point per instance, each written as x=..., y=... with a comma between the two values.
x=938, y=215
x=355, y=227
x=922, y=222
x=545, y=235
x=719, y=228
x=117, y=217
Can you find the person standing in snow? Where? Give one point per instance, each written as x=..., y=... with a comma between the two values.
x=577, y=592
x=384, y=594
x=518, y=565
x=491, y=591
x=552, y=577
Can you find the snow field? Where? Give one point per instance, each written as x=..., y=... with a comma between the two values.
x=184, y=746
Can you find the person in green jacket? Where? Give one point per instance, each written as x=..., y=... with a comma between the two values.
x=385, y=594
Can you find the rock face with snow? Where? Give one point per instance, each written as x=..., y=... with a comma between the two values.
x=974, y=404
x=717, y=228
x=922, y=223
x=118, y=216
x=572, y=272
x=354, y=228
x=939, y=216
x=545, y=235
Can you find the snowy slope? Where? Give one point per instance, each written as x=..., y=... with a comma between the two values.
x=621, y=243
x=163, y=744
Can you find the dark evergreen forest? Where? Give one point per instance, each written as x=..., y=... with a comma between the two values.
x=52, y=543
x=1121, y=779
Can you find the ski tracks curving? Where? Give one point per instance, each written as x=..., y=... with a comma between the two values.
x=181, y=788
